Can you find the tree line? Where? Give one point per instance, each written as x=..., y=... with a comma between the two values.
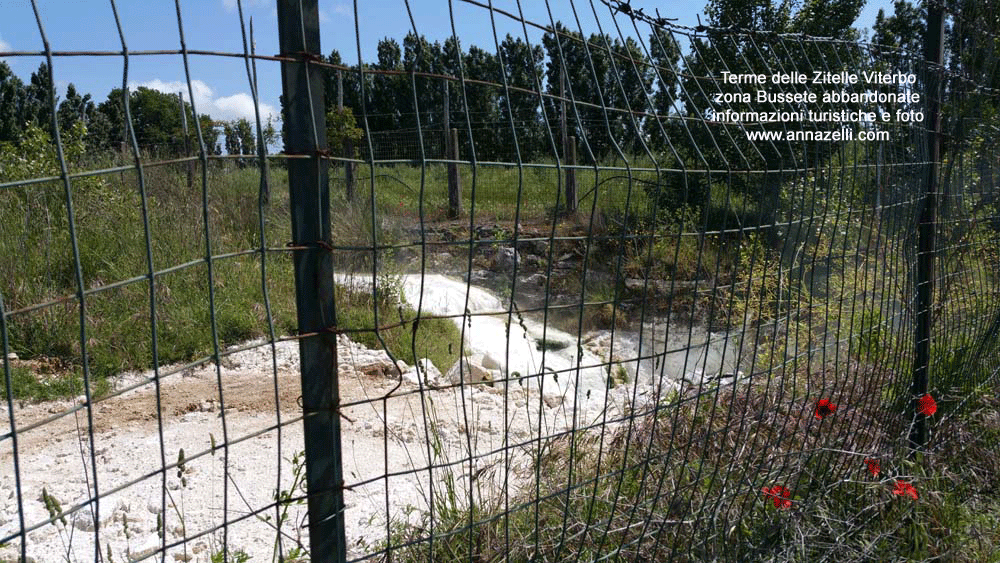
x=156, y=117
x=509, y=100
x=625, y=97
x=599, y=72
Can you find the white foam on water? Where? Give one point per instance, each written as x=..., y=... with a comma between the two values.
x=521, y=352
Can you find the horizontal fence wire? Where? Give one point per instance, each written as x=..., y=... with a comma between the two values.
x=571, y=308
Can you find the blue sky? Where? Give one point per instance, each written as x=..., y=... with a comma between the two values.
x=220, y=84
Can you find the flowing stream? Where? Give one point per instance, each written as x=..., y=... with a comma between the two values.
x=548, y=358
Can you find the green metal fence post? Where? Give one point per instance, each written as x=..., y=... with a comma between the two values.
x=309, y=188
x=933, y=42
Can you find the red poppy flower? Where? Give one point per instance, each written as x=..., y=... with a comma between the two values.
x=926, y=405
x=873, y=467
x=824, y=407
x=903, y=488
x=780, y=495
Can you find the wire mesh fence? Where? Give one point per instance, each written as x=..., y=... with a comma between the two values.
x=657, y=308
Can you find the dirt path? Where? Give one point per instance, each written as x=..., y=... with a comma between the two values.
x=386, y=435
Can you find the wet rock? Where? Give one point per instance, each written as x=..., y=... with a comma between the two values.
x=376, y=369
x=516, y=395
x=504, y=260
x=535, y=280
x=147, y=547
x=472, y=370
x=694, y=377
x=493, y=232
x=83, y=521
x=552, y=400
x=489, y=362
x=426, y=371
x=476, y=277
x=532, y=262
x=488, y=400
x=533, y=247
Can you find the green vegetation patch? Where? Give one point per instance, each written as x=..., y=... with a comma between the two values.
x=405, y=338
x=669, y=488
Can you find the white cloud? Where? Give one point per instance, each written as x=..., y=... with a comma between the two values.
x=241, y=105
x=4, y=46
x=323, y=18
x=343, y=10
x=221, y=108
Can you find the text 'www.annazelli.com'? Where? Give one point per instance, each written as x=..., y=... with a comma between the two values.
x=843, y=134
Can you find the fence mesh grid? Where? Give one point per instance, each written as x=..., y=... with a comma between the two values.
x=689, y=356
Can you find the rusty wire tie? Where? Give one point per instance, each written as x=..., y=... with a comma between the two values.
x=335, y=408
x=303, y=55
x=309, y=245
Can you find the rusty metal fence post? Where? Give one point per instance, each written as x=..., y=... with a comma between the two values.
x=309, y=190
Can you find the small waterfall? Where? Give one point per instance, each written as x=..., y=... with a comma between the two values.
x=548, y=358
x=520, y=354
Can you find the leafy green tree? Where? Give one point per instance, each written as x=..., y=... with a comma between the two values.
x=12, y=99
x=37, y=108
x=98, y=131
x=627, y=84
x=972, y=48
x=270, y=134
x=904, y=29
x=389, y=91
x=419, y=55
x=74, y=108
x=239, y=139
x=156, y=119
x=351, y=80
x=566, y=67
x=586, y=67
x=483, y=113
x=81, y=109
x=738, y=52
x=113, y=110
x=664, y=56
x=898, y=40
x=341, y=126
x=523, y=68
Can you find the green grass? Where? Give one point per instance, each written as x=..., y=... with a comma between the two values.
x=706, y=512
x=398, y=186
x=27, y=384
x=435, y=339
x=111, y=241
x=238, y=556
